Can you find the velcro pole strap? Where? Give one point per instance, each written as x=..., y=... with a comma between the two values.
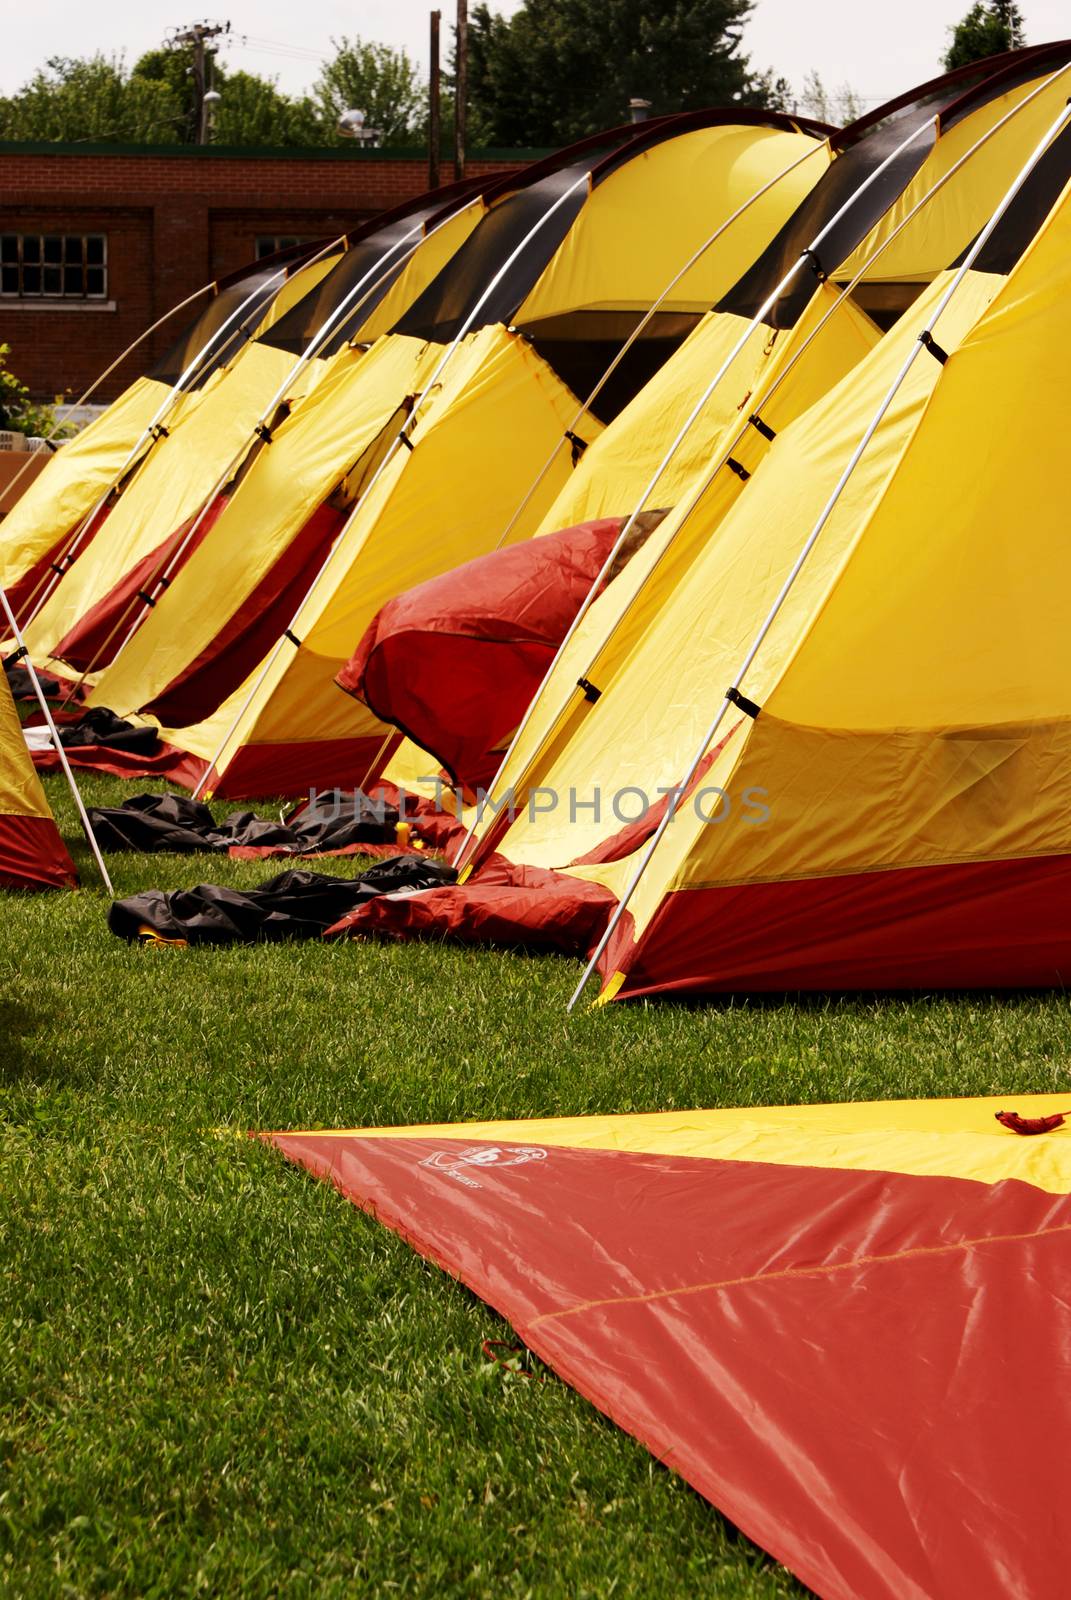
x=741, y=471
x=762, y=427
x=143, y=594
x=294, y=640
x=590, y=691
x=405, y=439
x=262, y=431
x=158, y=431
x=748, y=707
x=16, y=656
x=928, y=342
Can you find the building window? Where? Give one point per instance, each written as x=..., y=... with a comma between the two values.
x=53, y=266
x=268, y=243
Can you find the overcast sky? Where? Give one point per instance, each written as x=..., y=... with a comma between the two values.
x=878, y=50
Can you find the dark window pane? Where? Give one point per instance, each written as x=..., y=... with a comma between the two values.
x=9, y=280
x=73, y=248
x=52, y=280
x=95, y=249
x=72, y=280
x=9, y=247
x=31, y=280
x=31, y=248
x=53, y=247
x=95, y=280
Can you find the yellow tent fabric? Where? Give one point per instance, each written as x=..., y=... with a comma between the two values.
x=170, y=488
x=310, y=454
x=607, y=262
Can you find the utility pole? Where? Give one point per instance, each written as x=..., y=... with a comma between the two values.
x=434, y=104
x=461, y=86
x=194, y=38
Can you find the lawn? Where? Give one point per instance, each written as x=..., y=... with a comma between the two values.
x=218, y=1377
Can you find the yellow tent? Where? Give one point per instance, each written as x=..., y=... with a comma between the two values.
x=860, y=697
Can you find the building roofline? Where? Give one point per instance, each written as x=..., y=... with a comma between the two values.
x=218, y=152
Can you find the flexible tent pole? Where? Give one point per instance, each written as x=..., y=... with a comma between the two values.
x=802, y=260
x=401, y=439
x=646, y=319
x=924, y=341
x=22, y=654
x=161, y=575
x=153, y=431
x=697, y=494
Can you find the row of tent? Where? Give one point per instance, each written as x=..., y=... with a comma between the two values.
x=690, y=499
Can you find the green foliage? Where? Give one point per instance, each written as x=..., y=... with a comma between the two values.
x=98, y=99
x=373, y=78
x=216, y=1377
x=92, y=99
x=18, y=412
x=560, y=69
x=990, y=27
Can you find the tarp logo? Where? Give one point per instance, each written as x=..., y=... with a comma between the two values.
x=453, y=1162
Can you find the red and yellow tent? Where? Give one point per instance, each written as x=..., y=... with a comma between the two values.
x=847, y=1326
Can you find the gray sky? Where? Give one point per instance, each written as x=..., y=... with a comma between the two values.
x=880, y=51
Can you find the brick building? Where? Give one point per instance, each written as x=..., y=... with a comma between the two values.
x=98, y=241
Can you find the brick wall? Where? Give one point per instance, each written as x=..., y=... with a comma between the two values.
x=174, y=221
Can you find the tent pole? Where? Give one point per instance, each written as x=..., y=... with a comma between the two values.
x=401, y=439
x=923, y=340
x=637, y=331
x=150, y=434
x=23, y=654
x=756, y=321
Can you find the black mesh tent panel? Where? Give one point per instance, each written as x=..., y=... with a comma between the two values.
x=452, y=297
x=214, y=324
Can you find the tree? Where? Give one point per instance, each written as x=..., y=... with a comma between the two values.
x=72, y=99
x=990, y=27
x=560, y=69
x=837, y=106
x=373, y=78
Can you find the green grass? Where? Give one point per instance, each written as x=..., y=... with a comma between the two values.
x=217, y=1377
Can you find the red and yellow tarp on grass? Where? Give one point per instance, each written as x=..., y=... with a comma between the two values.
x=848, y=1326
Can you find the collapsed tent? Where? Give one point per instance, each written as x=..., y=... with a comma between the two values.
x=875, y=800
x=158, y=514
x=845, y=1325
x=32, y=855
x=551, y=280
x=452, y=663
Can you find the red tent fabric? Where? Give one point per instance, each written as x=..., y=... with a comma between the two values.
x=455, y=661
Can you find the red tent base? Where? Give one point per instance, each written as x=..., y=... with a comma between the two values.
x=33, y=856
